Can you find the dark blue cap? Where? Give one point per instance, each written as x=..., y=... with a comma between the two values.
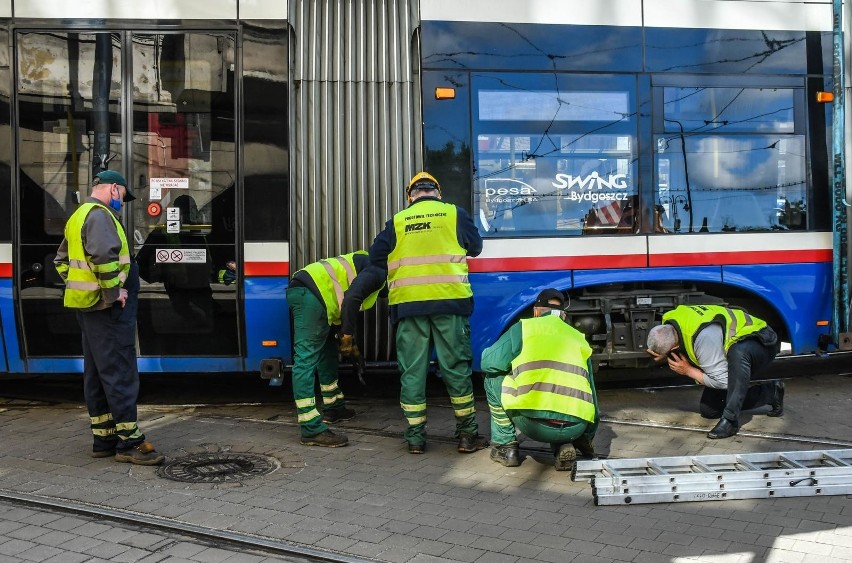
x=113, y=177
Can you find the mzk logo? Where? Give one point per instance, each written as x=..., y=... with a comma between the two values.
x=418, y=226
x=580, y=188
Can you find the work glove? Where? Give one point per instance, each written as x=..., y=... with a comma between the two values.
x=348, y=348
x=227, y=277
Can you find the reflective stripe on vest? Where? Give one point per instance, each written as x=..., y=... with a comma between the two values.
x=427, y=263
x=333, y=276
x=83, y=279
x=689, y=320
x=550, y=373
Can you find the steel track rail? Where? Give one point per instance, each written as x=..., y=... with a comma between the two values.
x=267, y=545
x=607, y=419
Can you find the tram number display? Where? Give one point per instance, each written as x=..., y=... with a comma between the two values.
x=181, y=256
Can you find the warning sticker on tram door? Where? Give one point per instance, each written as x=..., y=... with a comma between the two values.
x=181, y=256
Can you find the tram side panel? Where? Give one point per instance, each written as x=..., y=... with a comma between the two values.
x=637, y=183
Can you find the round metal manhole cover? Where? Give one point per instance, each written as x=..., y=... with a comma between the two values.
x=218, y=467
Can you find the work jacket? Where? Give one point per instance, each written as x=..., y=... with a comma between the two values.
x=550, y=372
x=333, y=276
x=84, y=279
x=689, y=320
x=427, y=263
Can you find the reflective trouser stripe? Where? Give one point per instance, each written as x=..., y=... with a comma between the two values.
x=100, y=419
x=498, y=415
x=331, y=393
x=415, y=414
x=463, y=406
x=308, y=416
x=102, y=425
x=305, y=403
x=128, y=431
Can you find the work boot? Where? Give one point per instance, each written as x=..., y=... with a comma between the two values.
x=506, y=454
x=566, y=457
x=777, y=402
x=339, y=414
x=723, y=429
x=142, y=453
x=583, y=444
x=326, y=438
x=100, y=450
x=416, y=448
x=469, y=443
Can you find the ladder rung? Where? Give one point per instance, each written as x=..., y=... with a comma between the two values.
x=718, y=477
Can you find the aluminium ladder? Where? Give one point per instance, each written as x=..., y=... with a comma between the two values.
x=718, y=477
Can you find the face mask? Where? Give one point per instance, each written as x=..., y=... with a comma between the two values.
x=115, y=203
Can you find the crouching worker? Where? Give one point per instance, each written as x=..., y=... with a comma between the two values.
x=720, y=348
x=538, y=379
x=322, y=296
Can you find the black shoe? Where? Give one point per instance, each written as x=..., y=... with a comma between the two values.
x=723, y=429
x=417, y=448
x=507, y=455
x=583, y=444
x=566, y=457
x=326, y=438
x=469, y=443
x=777, y=402
x=337, y=415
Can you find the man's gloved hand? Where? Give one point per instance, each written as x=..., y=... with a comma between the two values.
x=227, y=277
x=348, y=348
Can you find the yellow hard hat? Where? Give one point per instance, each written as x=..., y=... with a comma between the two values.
x=423, y=180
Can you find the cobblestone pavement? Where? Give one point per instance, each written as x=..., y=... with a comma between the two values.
x=33, y=534
x=374, y=500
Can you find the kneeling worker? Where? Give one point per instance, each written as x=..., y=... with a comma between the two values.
x=323, y=295
x=720, y=348
x=539, y=379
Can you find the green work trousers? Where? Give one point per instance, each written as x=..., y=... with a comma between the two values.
x=314, y=351
x=503, y=424
x=450, y=336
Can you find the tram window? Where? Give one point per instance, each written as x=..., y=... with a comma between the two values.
x=555, y=162
x=736, y=51
x=729, y=159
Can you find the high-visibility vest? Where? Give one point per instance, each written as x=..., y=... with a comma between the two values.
x=427, y=263
x=551, y=372
x=689, y=320
x=83, y=279
x=333, y=276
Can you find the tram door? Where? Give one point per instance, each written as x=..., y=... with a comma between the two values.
x=160, y=109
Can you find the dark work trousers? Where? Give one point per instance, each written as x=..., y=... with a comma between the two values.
x=745, y=358
x=110, y=375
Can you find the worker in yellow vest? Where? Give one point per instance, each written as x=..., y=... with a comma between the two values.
x=102, y=286
x=538, y=379
x=721, y=348
x=324, y=299
x=424, y=249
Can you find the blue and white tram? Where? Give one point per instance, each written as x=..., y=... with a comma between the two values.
x=189, y=101
x=636, y=154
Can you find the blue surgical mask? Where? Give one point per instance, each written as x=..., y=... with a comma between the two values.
x=115, y=203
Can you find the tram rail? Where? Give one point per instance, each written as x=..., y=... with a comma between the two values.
x=269, y=546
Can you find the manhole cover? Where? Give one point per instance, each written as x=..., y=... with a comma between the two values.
x=218, y=467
